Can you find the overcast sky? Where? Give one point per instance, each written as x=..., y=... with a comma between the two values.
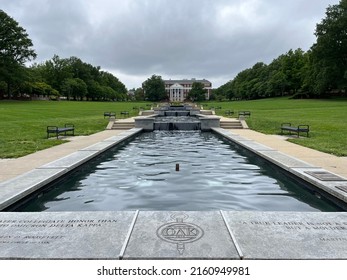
x=134, y=39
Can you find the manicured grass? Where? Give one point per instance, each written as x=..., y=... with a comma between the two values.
x=327, y=120
x=23, y=123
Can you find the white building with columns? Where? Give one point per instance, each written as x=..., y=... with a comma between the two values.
x=177, y=90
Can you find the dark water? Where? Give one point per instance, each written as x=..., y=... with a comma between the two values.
x=177, y=123
x=212, y=175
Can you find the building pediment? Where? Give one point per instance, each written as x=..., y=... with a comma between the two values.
x=176, y=85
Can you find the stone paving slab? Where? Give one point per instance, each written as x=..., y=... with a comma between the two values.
x=283, y=160
x=254, y=146
x=63, y=235
x=180, y=235
x=71, y=161
x=228, y=134
x=16, y=189
x=114, y=139
x=329, y=162
x=290, y=235
x=296, y=166
x=327, y=186
x=101, y=146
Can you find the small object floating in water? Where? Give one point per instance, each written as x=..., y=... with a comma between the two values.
x=177, y=167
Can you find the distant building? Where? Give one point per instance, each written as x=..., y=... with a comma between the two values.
x=178, y=90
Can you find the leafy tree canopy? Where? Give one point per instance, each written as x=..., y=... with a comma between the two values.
x=154, y=88
x=15, y=45
x=320, y=71
x=15, y=50
x=198, y=92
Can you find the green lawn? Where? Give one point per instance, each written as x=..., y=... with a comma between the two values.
x=327, y=120
x=23, y=124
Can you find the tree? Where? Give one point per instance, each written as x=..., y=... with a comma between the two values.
x=15, y=50
x=75, y=88
x=154, y=88
x=139, y=95
x=329, y=54
x=198, y=92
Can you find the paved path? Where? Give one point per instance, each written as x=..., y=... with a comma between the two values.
x=10, y=168
x=337, y=165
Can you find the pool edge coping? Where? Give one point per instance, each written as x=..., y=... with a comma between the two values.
x=282, y=160
x=13, y=190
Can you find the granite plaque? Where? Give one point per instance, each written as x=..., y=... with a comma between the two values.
x=325, y=176
x=342, y=188
x=63, y=235
x=180, y=235
x=290, y=235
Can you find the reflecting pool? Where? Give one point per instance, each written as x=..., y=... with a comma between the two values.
x=213, y=174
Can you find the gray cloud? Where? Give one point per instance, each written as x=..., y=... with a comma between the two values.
x=212, y=39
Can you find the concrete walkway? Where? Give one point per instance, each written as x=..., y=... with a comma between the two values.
x=334, y=164
x=10, y=168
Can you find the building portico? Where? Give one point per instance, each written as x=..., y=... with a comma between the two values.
x=177, y=93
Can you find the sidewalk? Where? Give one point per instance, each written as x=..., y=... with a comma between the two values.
x=10, y=168
x=334, y=164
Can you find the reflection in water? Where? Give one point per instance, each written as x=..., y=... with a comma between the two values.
x=213, y=175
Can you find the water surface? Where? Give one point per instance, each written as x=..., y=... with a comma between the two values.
x=212, y=175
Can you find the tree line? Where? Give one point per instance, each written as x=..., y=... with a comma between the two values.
x=68, y=77
x=319, y=72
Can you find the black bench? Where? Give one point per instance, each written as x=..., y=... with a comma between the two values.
x=297, y=129
x=109, y=114
x=58, y=130
x=229, y=112
x=244, y=113
x=124, y=113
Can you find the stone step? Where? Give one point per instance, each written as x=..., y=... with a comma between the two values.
x=123, y=125
x=231, y=124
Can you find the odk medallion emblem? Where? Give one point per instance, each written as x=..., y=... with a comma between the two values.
x=180, y=232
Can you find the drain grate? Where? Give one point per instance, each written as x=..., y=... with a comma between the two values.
x=342, y=188
x=325, y=176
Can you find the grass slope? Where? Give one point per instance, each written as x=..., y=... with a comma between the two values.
x=327, y=120
x=23, y=124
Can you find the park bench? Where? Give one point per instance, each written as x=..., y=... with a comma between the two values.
x=297, y=129
x=244, y=113
x=124, y=113
x=58, y=130
x=109, y=114
x=229, y=112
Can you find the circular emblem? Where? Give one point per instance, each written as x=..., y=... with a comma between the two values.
x=180, y=232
